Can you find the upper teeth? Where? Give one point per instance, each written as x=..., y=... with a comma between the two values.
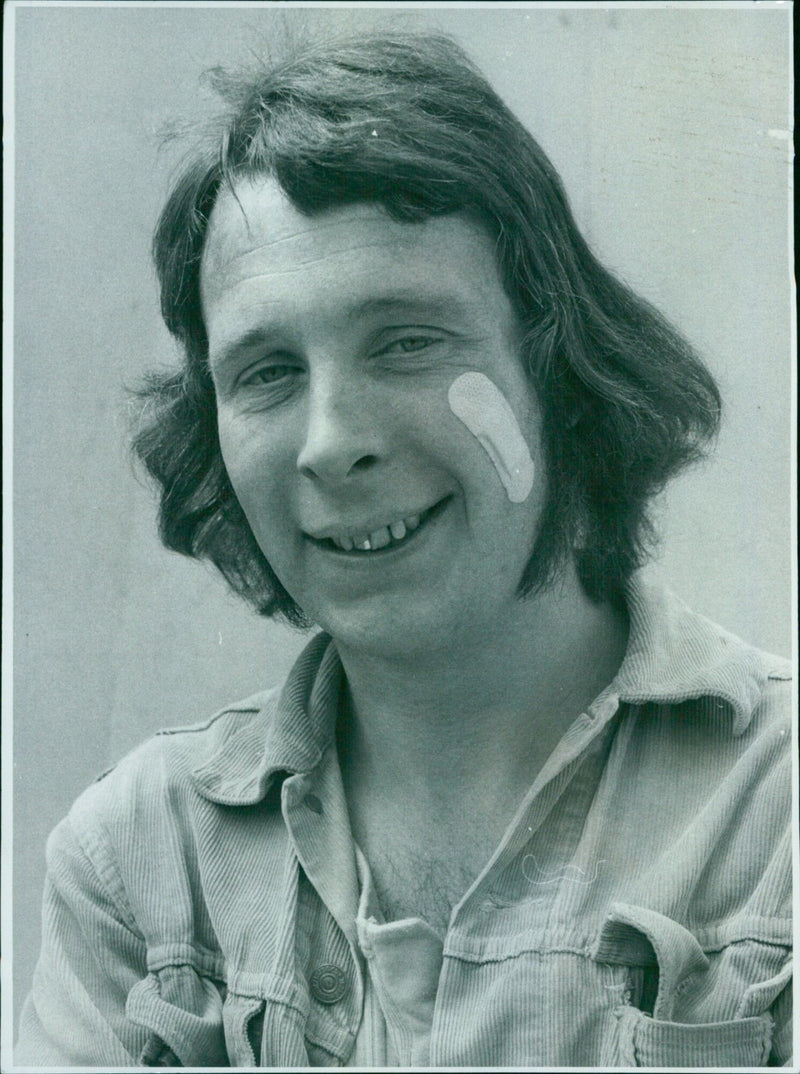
x=380, y=538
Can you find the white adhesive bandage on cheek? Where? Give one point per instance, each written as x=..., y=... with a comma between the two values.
x=486, y=412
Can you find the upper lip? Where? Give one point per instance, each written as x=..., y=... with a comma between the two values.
x=338, y=531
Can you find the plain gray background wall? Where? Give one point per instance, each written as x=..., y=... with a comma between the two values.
x=670, y=129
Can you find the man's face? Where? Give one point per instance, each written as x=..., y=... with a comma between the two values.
x=334, y=344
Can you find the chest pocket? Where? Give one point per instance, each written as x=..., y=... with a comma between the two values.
x=683, y=1010
x=644, y=1041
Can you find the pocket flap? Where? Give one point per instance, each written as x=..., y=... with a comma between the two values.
x=241, y=1016
x=636, y=936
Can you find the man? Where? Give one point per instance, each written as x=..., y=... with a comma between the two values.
x=512, y=807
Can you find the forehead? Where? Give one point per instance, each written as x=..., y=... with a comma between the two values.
x=261, y=249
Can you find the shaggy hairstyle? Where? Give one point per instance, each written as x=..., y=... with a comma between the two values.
x=407, y=122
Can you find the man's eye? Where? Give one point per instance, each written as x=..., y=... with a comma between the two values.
x=409, y=345
x=269, y=374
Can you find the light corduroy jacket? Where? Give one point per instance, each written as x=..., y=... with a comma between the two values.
x=201, y=898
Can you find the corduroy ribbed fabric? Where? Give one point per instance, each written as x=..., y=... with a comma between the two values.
x=201, y=900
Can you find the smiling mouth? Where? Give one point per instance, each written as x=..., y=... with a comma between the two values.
x=384, y=538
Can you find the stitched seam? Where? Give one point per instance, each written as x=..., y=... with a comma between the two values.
x=206, y=964
x=199, y=728
x=748, y=935
x=107, y=874
x=464, y=956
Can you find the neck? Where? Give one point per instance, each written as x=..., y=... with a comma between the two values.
x=485, y=710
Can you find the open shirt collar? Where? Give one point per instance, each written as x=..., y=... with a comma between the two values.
x=673, y=655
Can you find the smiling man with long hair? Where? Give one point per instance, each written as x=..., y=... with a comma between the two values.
x=513, y=806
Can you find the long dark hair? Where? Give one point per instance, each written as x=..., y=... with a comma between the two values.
x=408, y=122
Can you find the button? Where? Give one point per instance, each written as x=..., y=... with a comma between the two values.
x=313, y=803
x=328, y=984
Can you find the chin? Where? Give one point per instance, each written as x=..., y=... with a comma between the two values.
x=382, y=632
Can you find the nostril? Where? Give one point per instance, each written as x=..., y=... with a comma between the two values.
x=365, y=462
x=335, y=466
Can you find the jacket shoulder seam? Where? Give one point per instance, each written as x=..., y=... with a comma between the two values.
x=100, y=858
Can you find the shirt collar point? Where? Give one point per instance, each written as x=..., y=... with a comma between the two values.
x=278, y=731
x=676, y=655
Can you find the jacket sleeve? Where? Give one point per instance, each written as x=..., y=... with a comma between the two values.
x=782, y=1032
x=91, y=957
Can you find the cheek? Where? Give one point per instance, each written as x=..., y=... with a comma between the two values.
x=251, y=466
x=236, y=459
x=484, y=410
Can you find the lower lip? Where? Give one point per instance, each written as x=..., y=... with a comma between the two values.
x=391, y=550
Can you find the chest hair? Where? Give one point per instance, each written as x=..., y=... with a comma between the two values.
x=410, y=883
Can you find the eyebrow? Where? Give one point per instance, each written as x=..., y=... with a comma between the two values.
x=252, y=339
x=444, y=306
x=433, y=304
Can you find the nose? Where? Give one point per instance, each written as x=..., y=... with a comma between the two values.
x=342, y=434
